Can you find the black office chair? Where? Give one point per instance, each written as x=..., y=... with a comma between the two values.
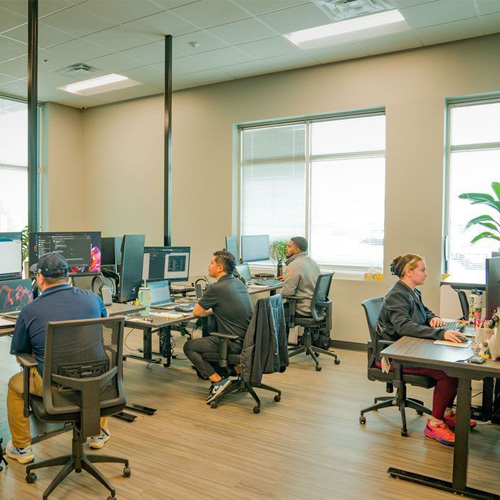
x=464, y=304
x=82, y=381
x=268, y=310
x=319, y=322
x=392, y=379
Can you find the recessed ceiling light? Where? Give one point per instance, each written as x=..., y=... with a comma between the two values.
x=350, y=30
x=99, y=85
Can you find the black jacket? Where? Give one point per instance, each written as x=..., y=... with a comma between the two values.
x=403, y=313
x=265, y=345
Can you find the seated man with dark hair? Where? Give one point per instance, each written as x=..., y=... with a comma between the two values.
x=228, y=300
x=57, y=301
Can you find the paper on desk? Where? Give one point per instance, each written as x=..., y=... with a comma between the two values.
x=169, y=315
x=453, y=344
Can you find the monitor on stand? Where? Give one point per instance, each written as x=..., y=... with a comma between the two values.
x=255, y=248
x=492, y=285
x=131, y=267
x=232, y=247
x=166, y=263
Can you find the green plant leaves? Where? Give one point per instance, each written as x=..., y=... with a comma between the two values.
x=483, y=235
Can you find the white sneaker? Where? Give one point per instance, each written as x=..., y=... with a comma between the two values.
x=97, y=442
x=22, y=455
x=218, y=389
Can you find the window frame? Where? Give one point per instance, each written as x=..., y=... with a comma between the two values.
x=347, y=271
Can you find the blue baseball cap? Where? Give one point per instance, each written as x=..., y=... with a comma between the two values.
x=51, y=265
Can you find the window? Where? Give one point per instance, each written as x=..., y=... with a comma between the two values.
x=473, y=164
x=13, y=165
x=324, y=179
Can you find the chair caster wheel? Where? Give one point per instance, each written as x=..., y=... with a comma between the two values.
x=214, y=404
x=277, y=398
x=362, y=420
x=420, y=412
x=111, y=498
x=127, y=472
x=31, y=478
x=256, y=409
x=404, y=433
x=337, y=361
x=318, y=368
x=317, y=354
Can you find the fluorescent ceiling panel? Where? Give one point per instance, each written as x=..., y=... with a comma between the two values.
x=360, y=28
x=99, y=85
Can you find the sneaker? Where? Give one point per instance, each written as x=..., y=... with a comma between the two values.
x=451, y=421
x=97, y=442
x=22, y=455
x=217, y=389
x=440, y=432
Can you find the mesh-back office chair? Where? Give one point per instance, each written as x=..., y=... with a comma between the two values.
x=268, y=311
x=392, y=379
x=319, y=321
x=82, y=381
x=464, y=304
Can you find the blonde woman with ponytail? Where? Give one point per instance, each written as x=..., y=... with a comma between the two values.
x=404, y=314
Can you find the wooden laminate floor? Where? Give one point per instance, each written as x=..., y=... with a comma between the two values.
x=308, y=446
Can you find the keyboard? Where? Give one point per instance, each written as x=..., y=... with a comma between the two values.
x=458, y=326
x=267, y=282
x=186, y=308
x=166, y=307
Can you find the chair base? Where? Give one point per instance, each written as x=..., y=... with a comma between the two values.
x=241, y=386
x=401, y=402
x=312, y=351
x=77, y=462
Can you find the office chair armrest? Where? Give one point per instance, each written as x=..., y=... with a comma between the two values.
x=27, y=361
x=292, y=304
x=226, y=336
x=223, y=347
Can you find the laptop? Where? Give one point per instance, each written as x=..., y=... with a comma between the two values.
x=14, y=295
x=244, y=272
x=160, y=292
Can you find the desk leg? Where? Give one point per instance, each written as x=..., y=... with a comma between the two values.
x=487, y=400
x=166, y=344
x=461, y=452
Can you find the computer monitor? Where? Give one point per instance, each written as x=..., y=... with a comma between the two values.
x=82, y=249
x=11, y=260
x=166, y=263
x=244, y=271
x=14, y=294
x=131, y=268
x=160, y=292
x=254, y=248
x=232, y=246
x=492, y=285
x=111, y=252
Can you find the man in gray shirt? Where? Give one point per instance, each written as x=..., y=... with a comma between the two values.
x=301, y=275
x=228, y=300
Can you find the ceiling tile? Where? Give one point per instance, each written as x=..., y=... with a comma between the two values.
x=56, y=80
x=150, y=53
x=222, y=57
x=171, y=4
x=74, y=52
x=18, y=88
x=270, y=47
x=296, y=18
x=208, y=13
x=252, y=68
x=451, y=31
x=439, y=12
x=17, y=7
x=264, y=6
x=47, y=36
x=182, y=82
x=337, y=53
x=114, y=63
x=77, y=22
x=130, y=93
x=206, y=42
x=10, y=20
x=390, y=43
x=404, y=4
x=17, y=68
x=10, y=49
x=491, y=23
x=145, y=73
x=292, y=61
x=247, y=30
x=210, y=76
x=485, y=7
x=119, y=38
x=162, y=24
x=6, y=78
x=186, y=65
x=120, y=11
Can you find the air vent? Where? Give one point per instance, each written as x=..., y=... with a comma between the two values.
x=339, y=10
x=80, y=69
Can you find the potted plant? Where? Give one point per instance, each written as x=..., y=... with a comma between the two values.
x=277, y=253
x=487, y=221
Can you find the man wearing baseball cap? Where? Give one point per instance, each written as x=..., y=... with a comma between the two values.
x=58, y=301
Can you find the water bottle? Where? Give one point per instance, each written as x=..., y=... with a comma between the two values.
x=280, y=269
x=144, y=297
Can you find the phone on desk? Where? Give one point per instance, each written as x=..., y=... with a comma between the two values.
x=476, y=360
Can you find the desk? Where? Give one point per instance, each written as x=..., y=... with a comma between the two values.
x=116, y=309
x=424, y=353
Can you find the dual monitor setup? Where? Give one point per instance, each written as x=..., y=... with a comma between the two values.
x=125, y=258
x=254, y=248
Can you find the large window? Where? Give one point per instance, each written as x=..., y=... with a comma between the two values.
x=324, y=179
x=13, y=165
x=473, y=164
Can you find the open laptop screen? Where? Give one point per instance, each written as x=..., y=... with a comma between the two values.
x=14, y=295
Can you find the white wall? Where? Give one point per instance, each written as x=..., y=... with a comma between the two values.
x=123, y=154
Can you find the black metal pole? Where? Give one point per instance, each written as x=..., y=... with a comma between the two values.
x=32, y=115
x=167, y=195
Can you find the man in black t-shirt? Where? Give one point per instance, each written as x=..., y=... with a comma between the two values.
x=228, y=300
